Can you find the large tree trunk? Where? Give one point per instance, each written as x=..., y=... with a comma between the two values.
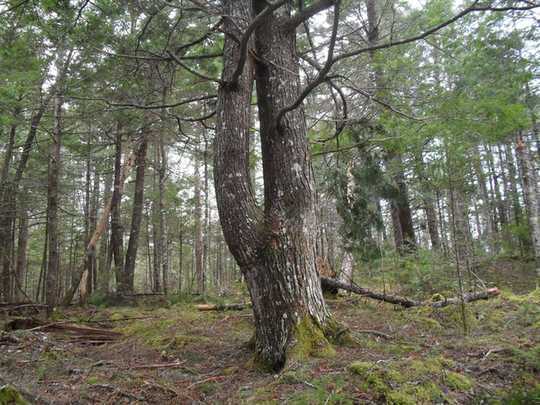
x=126, y=280
x=275, y=249
x=53, y=265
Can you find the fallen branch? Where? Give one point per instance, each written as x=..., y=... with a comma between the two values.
x=159, y=365
x=407, y=302
x=222, y=307
x=393, y=299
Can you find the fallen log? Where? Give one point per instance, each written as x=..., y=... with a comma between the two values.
x=407, y=302
x=468, y=297
x=392, y=299
x=330, y=283
x=222, y=307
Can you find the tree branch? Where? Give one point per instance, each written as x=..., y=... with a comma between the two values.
x=321, y=76
x=244, y=41
x=309, y=12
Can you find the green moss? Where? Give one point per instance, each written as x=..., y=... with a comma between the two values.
x=362, y=368
x=292, y=377
x=400, y=398
x=405, y=381
x=116, y=316
x=457, y=381
x=310, y=341
x=10, y=396
x=92, y=380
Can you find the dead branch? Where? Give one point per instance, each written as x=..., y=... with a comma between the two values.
x=159, y=365
x=407, y=302
x=222, y=307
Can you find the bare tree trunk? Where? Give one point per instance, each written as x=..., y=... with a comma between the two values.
x=126, y=284
x=117, y=229
x=120, y=177
x=8, y=195
x=53, y=265
x=162, y=225
x=22, y=244
x=104, y=263
x=199, y=242
x=206, y=241
x=485, y=206
x=531, y=191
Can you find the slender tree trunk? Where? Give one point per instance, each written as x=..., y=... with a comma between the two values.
x=104, y=264
x=162, y=224
x=199, y=241
x=126, y=281
x=8, y=195
x=531, y=192
x=206, y=241
x=53, y=265
x=501, y=212
x=485, y=206
x=117, y=229
x=22, y=244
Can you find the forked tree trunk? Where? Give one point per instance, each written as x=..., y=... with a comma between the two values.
x=275, y=249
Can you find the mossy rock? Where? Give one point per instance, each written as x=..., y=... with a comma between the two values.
x=11, y=396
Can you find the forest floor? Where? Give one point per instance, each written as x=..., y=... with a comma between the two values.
x=176, y=354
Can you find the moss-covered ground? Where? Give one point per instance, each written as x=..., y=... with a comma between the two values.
x=175, y=354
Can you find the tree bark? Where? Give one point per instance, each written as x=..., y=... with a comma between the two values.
x=199, y=241
x=126, y=279
x=531, y=193
x=22, y=245
x=117, y=229
x=275, y=249
x=104, y=267
x=53, y=265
